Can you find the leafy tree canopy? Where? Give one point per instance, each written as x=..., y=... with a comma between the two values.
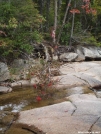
x=20, y=21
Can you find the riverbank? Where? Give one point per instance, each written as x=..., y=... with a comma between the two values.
x=77, y=108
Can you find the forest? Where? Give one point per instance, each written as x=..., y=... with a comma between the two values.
x=50, y=66
x=23, y=22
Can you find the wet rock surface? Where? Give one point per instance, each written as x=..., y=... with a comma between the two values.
x=5, y=89
x=21, y=99
x=80, y=111
x=23, y=83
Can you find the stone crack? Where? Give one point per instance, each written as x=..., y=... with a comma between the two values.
x=91, y=127
x=27, y=129
x=74, y=109
x=84, y=80
x=33, y=130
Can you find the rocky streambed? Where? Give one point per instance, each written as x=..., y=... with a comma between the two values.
x=21, y=99
x=76, y=109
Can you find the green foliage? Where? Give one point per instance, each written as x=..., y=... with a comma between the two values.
x=92, y=40
x=13, y=23
x=37, y=36
x=77, y=27
x=87, y=38
x=22, y=23
x=97, y=5
x=20, y=20
x=65, y=37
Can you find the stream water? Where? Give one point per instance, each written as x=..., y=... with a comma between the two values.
x=24, y=99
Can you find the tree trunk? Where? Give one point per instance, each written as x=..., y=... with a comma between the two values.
x=71, y=36
x=72, y=29
x=55, y=20
x=59, y=35
x=47, y=14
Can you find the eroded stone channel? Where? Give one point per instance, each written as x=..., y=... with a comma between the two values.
x=25, y=99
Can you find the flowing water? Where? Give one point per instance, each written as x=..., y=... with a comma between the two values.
x=24, y=99
x=27, y=98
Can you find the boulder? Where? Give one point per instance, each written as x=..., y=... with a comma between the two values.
x=79, y=51
x=97, y=93
x=68, y=56
x=21, y=68
x=91, y=82
x=5, y=89
x=99, y=50
x=4, y=72
x=80, y=114
x=76, y=79
x=55, y=57
x=91, y=52
x=22, y=63
x=21, y=83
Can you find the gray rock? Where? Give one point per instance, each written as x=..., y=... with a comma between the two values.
x=93, y=83
x=97, y=123
x=90, y=68
x=20, y=68
x=96, y=51
x=78, y=90
x=88, y=53
x=77, y=116
x=79, y=51
x=97, y=93
x=68, y=56
x=91, y=52
x=55, y=57
x=68, y=81
x=20, y=83
x=21, y=63
x=99, y=50
x=5, y=89
x=76, y=79
x=4, y=72
x=86, y=104
x=25, y=82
